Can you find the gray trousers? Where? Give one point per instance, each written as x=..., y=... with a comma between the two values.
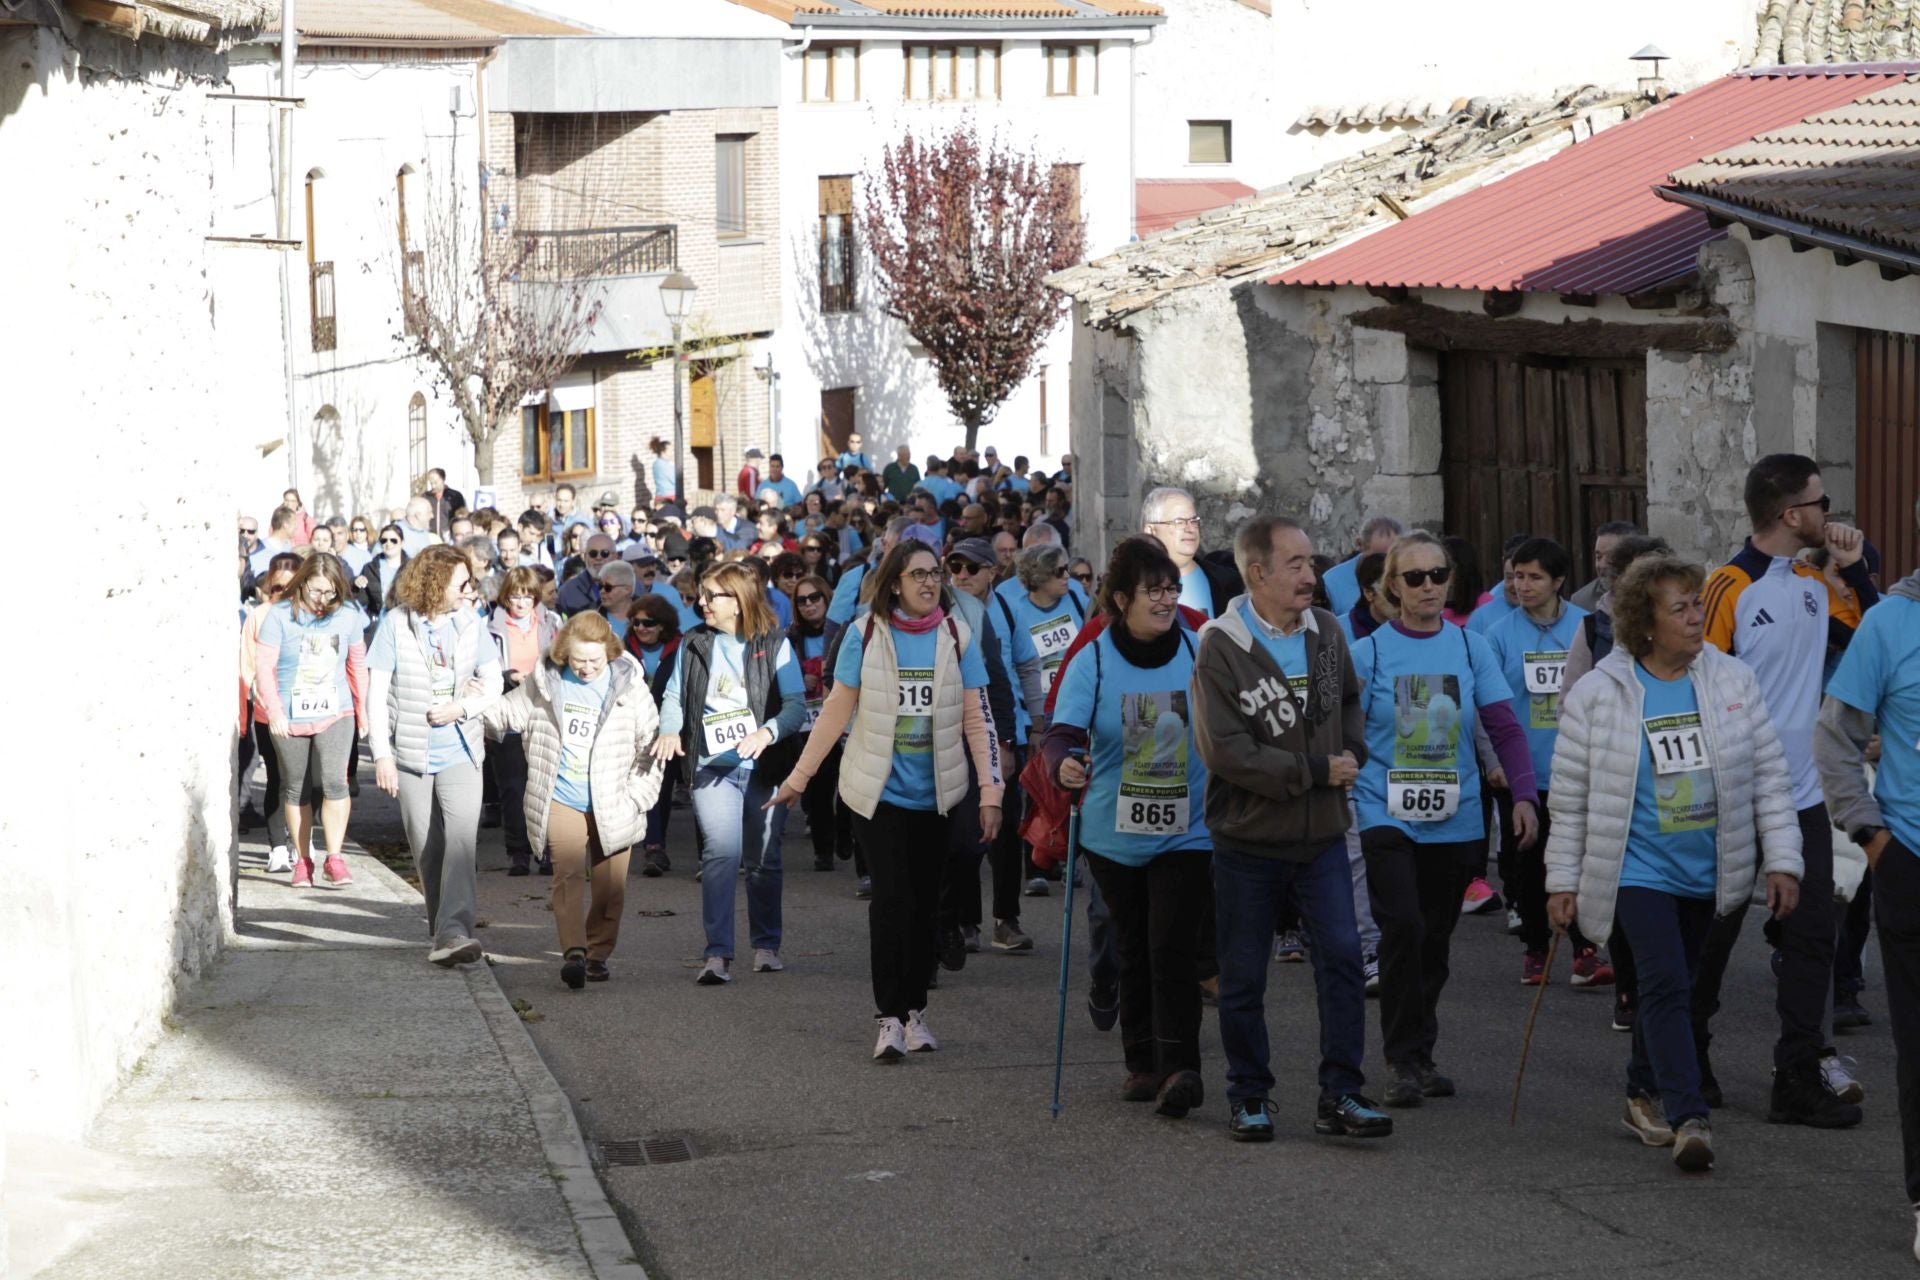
x=441, y=813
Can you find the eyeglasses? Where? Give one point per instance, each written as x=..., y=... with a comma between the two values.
x=1420, y=577
x=709, y=597
x=466, y=588
x=1162, y=593
x=1824, y=502
x=795, y=574
x=964, y=568
x=1179, y=522
x=812, y=597
x=389, y=542
x=359, y=528
x=920, y=576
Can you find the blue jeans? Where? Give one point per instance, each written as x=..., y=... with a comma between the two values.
x=1667, y=935
x=726, y=804
x=1248, y=894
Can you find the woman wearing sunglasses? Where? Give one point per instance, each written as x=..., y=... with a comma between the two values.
x=829, y=825
x=1080, y=570
x=1424, y=684
x=816, y=556
x=374, y=586
x=435, y=673
x=909, y=680
x=653, y=638
x=735, y=706
x=359, y=547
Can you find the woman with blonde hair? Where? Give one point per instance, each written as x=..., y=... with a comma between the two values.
x=735, y=707
x=588, y=723
x=435, y=674
x=311, y=665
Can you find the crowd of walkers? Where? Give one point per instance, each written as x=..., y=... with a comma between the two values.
x=1271, y=754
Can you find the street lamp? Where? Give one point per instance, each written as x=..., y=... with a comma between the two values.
x=676, y=295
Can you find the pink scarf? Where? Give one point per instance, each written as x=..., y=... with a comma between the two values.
x=919, y=626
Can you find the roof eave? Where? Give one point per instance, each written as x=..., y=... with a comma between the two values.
x=890, y=22
x=1837, y=242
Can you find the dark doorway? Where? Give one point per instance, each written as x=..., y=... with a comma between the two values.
x=1886, y=446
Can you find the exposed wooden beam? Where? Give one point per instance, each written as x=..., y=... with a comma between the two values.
x=122, y=19
x=1444, y=330
x=1799, y=246
x=1389, y=292
x=1502, y=302
x=1654, y=300
x=1581, y=299
x=1891, y=273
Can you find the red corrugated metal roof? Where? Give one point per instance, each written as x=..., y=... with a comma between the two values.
x=1158, y=203
x=1587, y=221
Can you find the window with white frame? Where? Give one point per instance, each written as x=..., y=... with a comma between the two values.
x=952, y=72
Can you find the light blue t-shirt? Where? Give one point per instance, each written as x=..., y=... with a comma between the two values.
x=355, y=557
x=1289, y=653
x=1670, y=846
x=1880, y=675
x=942, y=489
x=1489, y=614
x=789, y=491
x=1148, y=794
x=663, y=478
x=620, y=626
x=1422, y=698
x=580, y=704
x=650, y=658
x=728, y=718
x=1533, y=659
x=846, y=594
x=413, y=541
x=1343, y=586
x=1195, y=591
x=445, y=746
x=689, y=619
x=910, y=780
x=312, y=670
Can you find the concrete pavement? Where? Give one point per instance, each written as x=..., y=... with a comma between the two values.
x=809, y=1160
x=326, y=1104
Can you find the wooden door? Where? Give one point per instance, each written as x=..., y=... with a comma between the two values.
x=836, y=419
x=1886, y=446
x=1540, y=445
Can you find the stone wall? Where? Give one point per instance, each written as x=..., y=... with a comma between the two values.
x=118, y=820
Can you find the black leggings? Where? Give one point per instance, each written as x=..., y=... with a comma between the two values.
x=907, y=855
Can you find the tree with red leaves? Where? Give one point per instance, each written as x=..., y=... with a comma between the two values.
x=963, y=236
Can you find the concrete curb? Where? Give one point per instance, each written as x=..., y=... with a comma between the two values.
x=610, y=1254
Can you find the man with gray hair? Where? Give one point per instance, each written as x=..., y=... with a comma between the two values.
x=1167, y=513
x=416, y=531
x=731, y=532
x=1341, y=581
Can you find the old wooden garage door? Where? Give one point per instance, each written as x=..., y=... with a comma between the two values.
x=1541, y=445
x=1886, y=446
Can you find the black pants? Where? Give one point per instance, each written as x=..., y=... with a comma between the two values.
x=270, y=807
x=507, y=761
x=960, y=893
x=1416, y=890
x=1524, y=873
x=1806, y=959
x=1008, y=854
x=1896, y=908
x=829, y=823
x=1856, y=919
x=906, y=854
x=1155, y=912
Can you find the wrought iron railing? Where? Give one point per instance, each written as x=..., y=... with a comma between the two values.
x=836, y=269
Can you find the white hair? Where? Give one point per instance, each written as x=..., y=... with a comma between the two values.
x=1152, y=507
x=1040, y=534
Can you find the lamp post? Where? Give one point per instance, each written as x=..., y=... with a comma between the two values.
x=676, y=295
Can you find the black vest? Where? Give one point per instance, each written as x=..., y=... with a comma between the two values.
x=763, y=695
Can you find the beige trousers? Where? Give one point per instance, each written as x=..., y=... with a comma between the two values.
x=580, y=865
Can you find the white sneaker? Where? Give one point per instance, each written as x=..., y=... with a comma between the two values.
x=765, y=961
x=465, y=951
x=279, y=858
x=919, y=1036
x=892, y=1044
x=714, y=972
x=1834, y=1074
x=1370, y=973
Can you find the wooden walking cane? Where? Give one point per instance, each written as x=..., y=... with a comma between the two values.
x=1526, y=1041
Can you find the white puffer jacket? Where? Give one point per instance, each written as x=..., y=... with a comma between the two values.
x=1596, y=768
x=621, y=770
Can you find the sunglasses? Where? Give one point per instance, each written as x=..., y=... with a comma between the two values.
x=1083, y=577
x=646, y=622
x=249, y=528
x=710, y=597
x=812, y=597
x=359, y=528
x=1420, y=577
x=964, y=568
x=1061, y=573
x=599, y=555
x=1824, y=502
x=389, y=542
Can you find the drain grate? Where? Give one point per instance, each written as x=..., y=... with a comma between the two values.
x=642, y=1151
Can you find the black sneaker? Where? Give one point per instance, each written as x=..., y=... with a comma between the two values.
x=1799, y=1097
x=953, y=949
x=1183, y=1091
x=546, y=866
x=1250, y=1120
x=1848, y=1015
x=519, y=869
x=1405, y=1090
x=1623, y=1010
x=249, y=817
x=489, y=816
x=574, y=971
x=1432, y=1083
x=1103, y=1006
x=823, y=864
x=1352, y=1116
x=597, y=971
x=656, y=863
x=1709, y=1083
x=863, y=888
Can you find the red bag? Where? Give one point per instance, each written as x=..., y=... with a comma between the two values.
x=1047, y=809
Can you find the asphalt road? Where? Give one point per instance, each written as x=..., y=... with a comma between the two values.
x=809, y=1160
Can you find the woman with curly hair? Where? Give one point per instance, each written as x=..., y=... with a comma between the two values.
x=434, y=674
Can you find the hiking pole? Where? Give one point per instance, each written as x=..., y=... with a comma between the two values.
x=1526, y=1041
x=1066, y=937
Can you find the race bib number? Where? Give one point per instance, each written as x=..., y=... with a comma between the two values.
x=315, y=689
x=578, y=724
x=443, y=685
x=1153, y=797
x=813, y=714
x=1051, y=640
x=1545, y=671
x=1422, y=795
x=913, y=715
x=726, y=730
x=1677, y=743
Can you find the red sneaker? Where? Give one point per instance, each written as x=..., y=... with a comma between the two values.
x=336, y=869
x=302, y=872
x=1589, y=970
x=1479, y=898
x=1533, y=970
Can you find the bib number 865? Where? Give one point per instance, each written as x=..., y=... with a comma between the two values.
x=1141, y=813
